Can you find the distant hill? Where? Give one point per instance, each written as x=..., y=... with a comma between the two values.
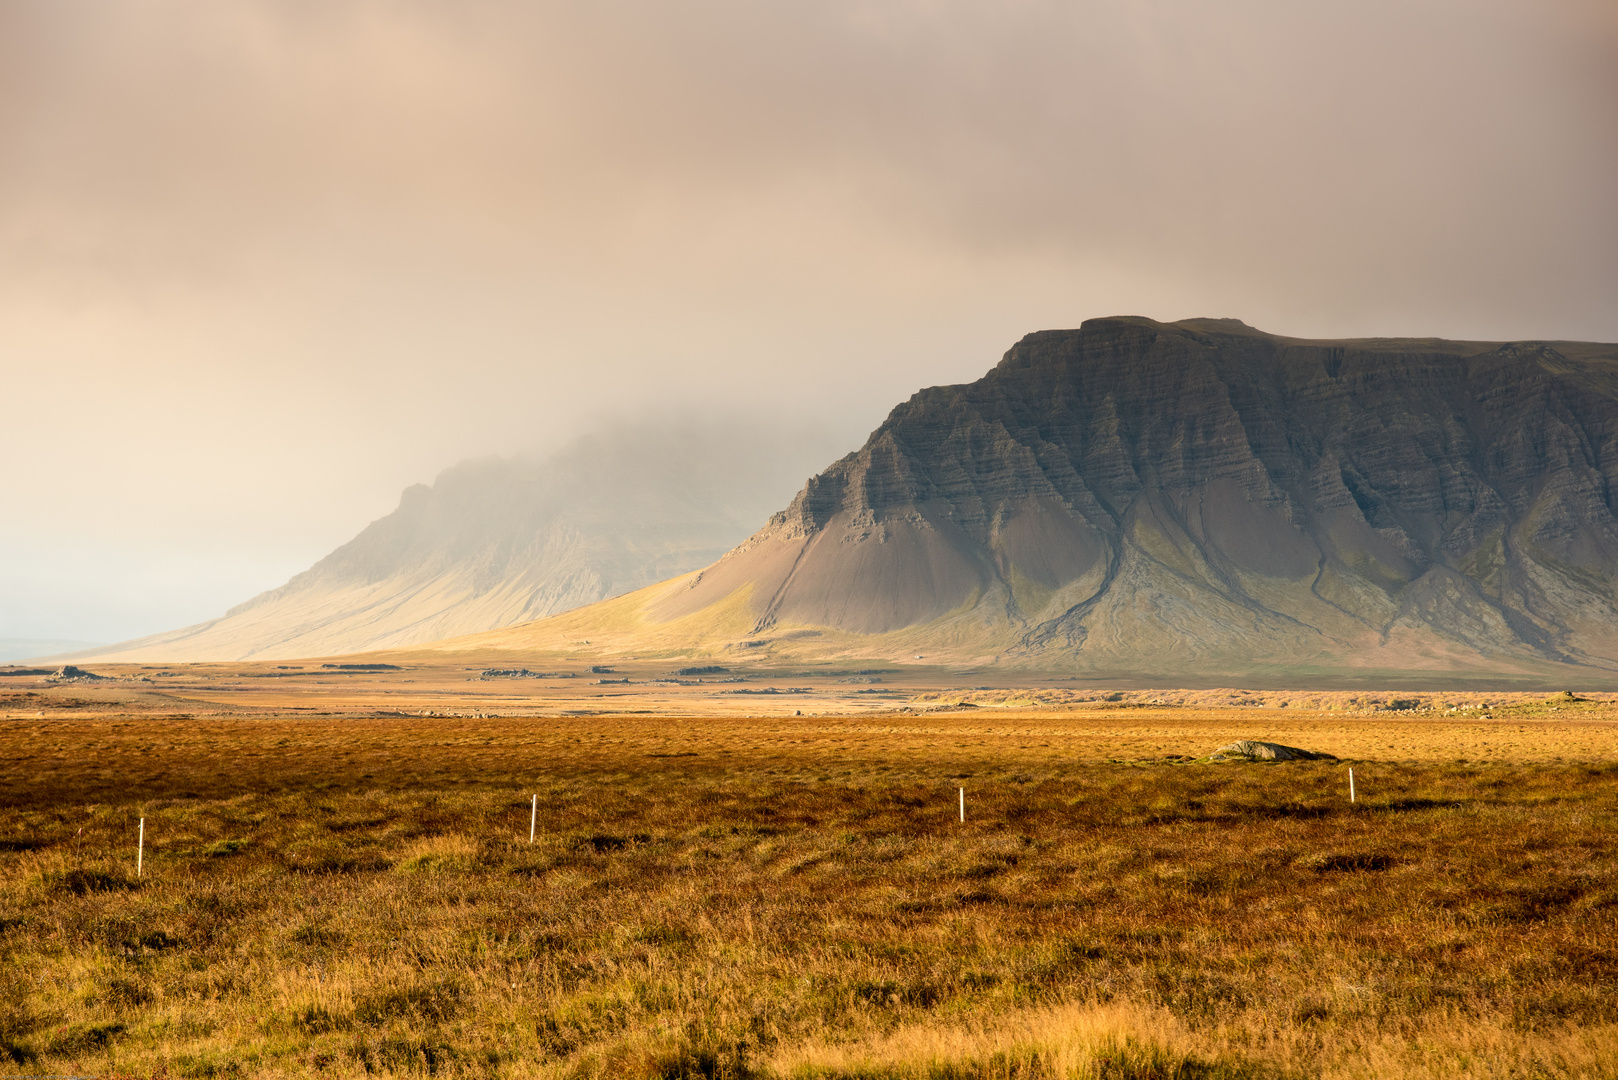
x=500, y=541
x=1196, y=497
x=14, y=649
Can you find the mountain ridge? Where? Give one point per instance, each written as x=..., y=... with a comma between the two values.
x=1198, y=495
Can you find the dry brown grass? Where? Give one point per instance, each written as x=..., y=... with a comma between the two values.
x=794, y=897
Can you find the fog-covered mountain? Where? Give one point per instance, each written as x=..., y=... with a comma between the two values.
x=498, y=541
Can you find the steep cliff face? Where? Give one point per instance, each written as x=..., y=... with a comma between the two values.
x=502, y=541
x=1141, y=495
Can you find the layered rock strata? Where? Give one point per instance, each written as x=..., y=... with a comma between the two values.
x=1146, y=496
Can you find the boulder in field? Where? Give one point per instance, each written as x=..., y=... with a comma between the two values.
x=1253, y=750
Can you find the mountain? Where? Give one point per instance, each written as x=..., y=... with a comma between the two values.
x=499, y=541
x=1193, y=497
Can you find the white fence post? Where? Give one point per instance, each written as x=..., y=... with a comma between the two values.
x=140, y=848
x=533, y=818
x=1351, y=785
x=963, y=805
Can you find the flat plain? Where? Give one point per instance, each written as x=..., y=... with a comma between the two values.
x=337, y=877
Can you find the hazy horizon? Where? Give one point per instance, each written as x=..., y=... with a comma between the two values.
x=684, y=441
x=263, y=265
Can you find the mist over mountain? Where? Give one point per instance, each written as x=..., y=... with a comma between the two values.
x=498, y=541
x=1200, y=497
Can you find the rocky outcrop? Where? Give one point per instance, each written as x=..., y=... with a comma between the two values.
x=1134, y=495
x=70, y=673
x=1254, y=750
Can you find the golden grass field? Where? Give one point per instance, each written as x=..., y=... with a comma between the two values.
x=719, y=886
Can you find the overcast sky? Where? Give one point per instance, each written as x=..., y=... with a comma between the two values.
x=264, y=264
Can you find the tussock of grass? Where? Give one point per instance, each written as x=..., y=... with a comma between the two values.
x=438, y=854
x=1104, y=1042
